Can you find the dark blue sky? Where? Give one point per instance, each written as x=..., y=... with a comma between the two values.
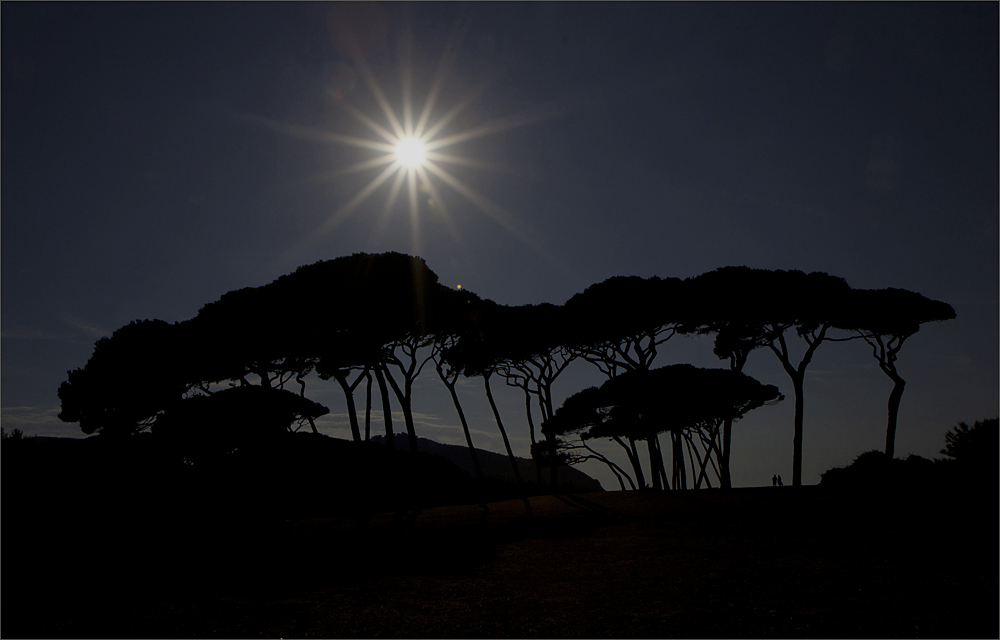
x=148, y=167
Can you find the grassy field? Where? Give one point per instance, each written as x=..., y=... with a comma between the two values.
x=765, y=562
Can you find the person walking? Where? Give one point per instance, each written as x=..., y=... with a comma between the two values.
x=774, y=481
x=780, y=484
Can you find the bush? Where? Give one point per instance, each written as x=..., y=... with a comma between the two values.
x=872, y=469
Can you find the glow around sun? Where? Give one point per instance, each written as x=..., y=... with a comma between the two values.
x=412, y=148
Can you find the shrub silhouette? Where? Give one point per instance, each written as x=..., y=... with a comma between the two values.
x=972, y=452
x=240, y=417
x=874, y=470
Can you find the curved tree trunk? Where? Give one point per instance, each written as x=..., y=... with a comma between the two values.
x=797, y=374
x=660, y=467
x=465, y=425
x=352, y=411
x=657, y=484
x=404, y=396
x=411, y=431
x=894, y=398
x=390, y=437
x=615, y=469
x=302, y=393
x=531, y=433
x=633, y=459
x=503, y=432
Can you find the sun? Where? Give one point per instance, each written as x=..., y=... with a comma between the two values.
x=410, y=152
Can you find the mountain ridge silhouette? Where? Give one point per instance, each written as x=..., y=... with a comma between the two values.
x=497, y=466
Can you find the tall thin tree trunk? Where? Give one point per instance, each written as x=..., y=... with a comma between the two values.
x=411, y=430
x=503, y=432
x=660, y=468
x=531, y=433
x=553, y=453
x=633, y=459
x=890, y=432
x=390, y=437
x=404, y=396
x=797, y=384
x=677, y=445
x=368, y=407
x=545, y=392
x=352, y=411
x=637, y=464
x=465, y=424
x=727, y=437
x=797, y=374
x=657, y=484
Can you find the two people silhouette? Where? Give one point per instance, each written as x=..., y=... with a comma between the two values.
x=776, y=481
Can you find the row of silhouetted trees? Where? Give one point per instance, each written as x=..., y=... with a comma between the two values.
x=237, y=371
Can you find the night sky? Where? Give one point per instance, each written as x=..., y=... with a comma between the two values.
x=158, y=155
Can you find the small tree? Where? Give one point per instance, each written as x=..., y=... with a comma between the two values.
x=247, y=416
x=618, y=326
x=974, y=446
x=678, y=398
x=885, y=319
x=132, y=376
x=757, y=307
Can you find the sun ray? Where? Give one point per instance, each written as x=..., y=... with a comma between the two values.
x=358, y=167
x=320, y=135
x=495, y=126
x=497, y=213
x=383, y=103
x=406, y=80
x=412, y=151
x=334, y=220
x=371, y=124
x=439, y=201
x=441, y=74
x=411, y=179
x=435, y=194
x=450, y=115
x=459, y=160
x=383, y=218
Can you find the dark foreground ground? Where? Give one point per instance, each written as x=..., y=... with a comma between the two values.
x=748, y=563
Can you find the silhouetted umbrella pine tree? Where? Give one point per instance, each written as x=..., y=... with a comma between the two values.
x=237, y=418
x=717, y=304
x=132, y=376
x=762, y=307
x=449, y=376
x=578, y=413
x=679, y=398
x=352, y=352
x=475, y=354
x=619, y=324
x=885, y=319
x=535, y=353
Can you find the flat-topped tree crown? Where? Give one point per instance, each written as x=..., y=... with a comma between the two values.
x=132, y=375
x=885, y=319
x=681, y=399
x=891, y=312
x=751, y=308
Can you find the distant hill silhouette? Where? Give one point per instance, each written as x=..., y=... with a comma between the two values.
x=496, y=466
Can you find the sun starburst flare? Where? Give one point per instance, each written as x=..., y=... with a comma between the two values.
x=413, y=154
